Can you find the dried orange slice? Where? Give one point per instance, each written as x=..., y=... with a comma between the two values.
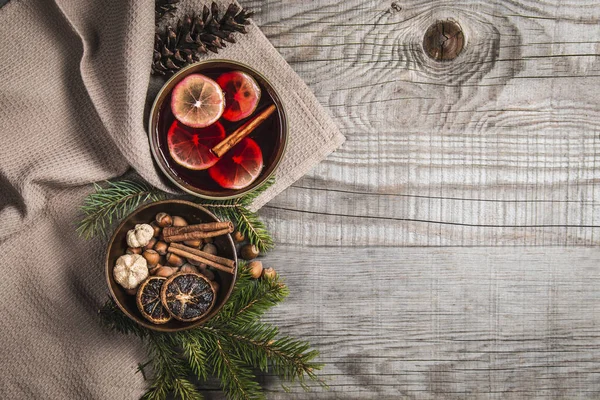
x=190, y=147
x=242, y=94
x=188, y=296
x=197, y=101
x=148, y=300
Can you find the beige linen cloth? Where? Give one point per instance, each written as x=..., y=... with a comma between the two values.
x=75, y=77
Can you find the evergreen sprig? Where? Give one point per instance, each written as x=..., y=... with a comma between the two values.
x=230, y=347
x=113, y=203
x=247, y=222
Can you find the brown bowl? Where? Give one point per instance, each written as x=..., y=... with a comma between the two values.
x=198, y=183
x=194, y=214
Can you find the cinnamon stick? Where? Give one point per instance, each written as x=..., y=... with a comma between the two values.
x=208, y=226
x=184, y=237
x=226, y=144
x=221, y=260
x=197, y=258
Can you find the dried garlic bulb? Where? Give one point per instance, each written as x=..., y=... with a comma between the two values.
x=130, y=270
x=140, y=235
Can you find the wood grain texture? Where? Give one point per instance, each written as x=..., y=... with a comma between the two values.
x=430, y=323
x=498, y=147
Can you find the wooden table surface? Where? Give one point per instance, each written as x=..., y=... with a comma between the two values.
x=446, y=249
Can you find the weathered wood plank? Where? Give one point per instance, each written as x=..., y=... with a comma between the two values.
x=498, y=147
x=445, y=322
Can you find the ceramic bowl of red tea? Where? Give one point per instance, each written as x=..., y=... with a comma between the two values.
x=218, y=129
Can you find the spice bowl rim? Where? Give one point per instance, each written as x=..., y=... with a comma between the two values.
x=109, y=266
x=154, y=119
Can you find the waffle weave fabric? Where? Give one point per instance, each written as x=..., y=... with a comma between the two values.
x=72, y=111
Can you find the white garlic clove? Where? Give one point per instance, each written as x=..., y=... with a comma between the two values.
x=140, y=235
x=130, y=270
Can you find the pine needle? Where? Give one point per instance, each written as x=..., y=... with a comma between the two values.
x=246, y=221
x=231, y=347
x=112, y=203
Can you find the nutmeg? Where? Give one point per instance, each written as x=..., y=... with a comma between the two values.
x=255, y=268
x=152, y=257
x=133, y=250
x=150, y=244
x=193, y=243
x=249, y=252
x=269, y=273
x=238, y=236
x=179, y=221
x=156, y=228
x=163, y=220
x=174, y=260
x=161, y=248
x=165, y=271
x=210, y=249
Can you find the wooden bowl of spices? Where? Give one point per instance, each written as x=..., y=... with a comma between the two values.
x=182, y=252
x=218, y=129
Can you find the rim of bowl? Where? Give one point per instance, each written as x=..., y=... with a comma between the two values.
x=153, y=120
x=155, y=327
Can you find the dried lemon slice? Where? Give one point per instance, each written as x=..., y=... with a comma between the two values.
x=188, y=296
x=148, y=300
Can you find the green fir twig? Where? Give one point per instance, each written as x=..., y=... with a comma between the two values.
x=247, y=222
x=112, y=203
x=230, y=347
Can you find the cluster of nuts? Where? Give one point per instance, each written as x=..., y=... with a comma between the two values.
x=148, y=255
x=249, y=252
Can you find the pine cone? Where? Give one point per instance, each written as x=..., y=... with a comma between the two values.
x=164, y=7
x=174, y=48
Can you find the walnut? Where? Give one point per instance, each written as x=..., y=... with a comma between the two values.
x=140, y=235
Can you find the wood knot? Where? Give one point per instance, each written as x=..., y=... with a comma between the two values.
x=444, y=40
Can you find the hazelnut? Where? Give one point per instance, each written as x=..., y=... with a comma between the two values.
x=163, y=219
x=209, y=240
x=150, y=244
x=179, y=221
x=156, y=228
x=238, y=236
x=174, y=260
x=210, y=249
x=215, y=286
x=165, y=271
x=161, y=248
x=256, y=269
x=208, y=274
x=269, y=273
x=133, y=250
x=187, y=267
x=193, y=243
x=249, y=252
x=155, y=269
x=131, y=292
x=197, y=263
x=152, y=257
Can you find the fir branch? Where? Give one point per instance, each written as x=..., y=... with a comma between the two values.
x=247, y=222
x=113, y=203
x=230, y=346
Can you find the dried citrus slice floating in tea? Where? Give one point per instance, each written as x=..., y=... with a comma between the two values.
x=148, y=300
x=197, y=101
x=188, y=296
x=239, y=167
x=242, y=94
x=190, y=147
